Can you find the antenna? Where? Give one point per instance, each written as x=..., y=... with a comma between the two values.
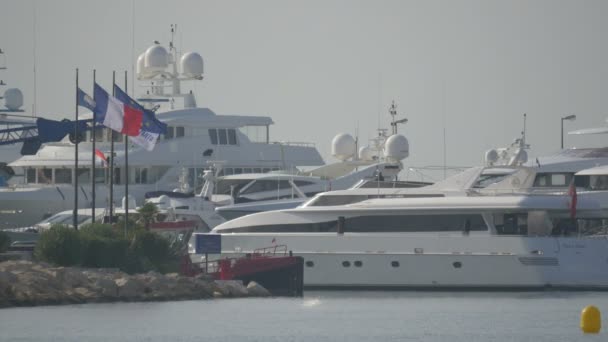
x=522, y=142
x=393, y=112
x=34, y=52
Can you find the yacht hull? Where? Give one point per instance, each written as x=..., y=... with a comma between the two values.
x=438, y=262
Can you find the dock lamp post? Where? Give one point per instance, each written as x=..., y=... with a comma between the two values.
x=569, y=118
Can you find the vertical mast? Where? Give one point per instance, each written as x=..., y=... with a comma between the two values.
x=126, y=172
x=93, y=138
x=112, y=160
x=75, y=213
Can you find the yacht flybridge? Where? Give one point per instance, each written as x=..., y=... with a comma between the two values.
x=486, y=239
x=196, y=138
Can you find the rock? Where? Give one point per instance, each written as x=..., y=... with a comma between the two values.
x=232, y=288
x=129, y=288
x=106, y=287
x=256, y=290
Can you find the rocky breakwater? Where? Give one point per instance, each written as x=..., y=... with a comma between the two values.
x=26, y=283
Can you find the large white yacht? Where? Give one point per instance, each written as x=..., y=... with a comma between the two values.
x=492, y=238
x=196, y=137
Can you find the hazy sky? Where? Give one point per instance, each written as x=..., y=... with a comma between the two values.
x=323, y=67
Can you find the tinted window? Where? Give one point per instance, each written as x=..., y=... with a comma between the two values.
x=231, y=137
x=302, y=183
x=31, y=175
x=63, y=176
x=415, y=223
x=170, y=132
x=385, y=224
x=179, y=132
x=222, y=136
x=213, y=136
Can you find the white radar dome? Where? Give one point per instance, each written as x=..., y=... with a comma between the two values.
x=520, y=157
x=366, y=153
x=13, y=98
x=141, y=67
x=192, y=65
x=491, y=156
x=156, y=58
x=343, y=146
x=396, y=147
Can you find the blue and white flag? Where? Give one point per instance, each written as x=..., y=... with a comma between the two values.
x=85, y=100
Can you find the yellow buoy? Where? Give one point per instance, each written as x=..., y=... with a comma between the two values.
x=591, y=320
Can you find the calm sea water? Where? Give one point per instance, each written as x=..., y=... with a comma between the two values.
x=319, y=316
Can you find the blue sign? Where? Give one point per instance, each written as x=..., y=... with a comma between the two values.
x=208, y=244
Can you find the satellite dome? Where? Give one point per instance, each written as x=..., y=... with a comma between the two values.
x=13, y=98
x=491, y=156
x=343, y=146
x=520, y=157
x=141, y=67
x=396, y=148
x=156, y=58
x=192, y=65
x=366, y=153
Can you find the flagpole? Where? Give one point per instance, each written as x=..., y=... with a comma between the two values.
x=93, y=137
x=75, y=213
x=127, y=171
x=112, y=161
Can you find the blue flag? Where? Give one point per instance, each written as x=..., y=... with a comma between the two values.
x=85, y=100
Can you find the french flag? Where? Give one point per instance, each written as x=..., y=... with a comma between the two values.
x=117, y=115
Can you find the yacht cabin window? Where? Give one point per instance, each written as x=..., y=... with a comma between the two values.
x=170, y=132
x=179, y=131
x=113, y=135
x=256, y=134
x=222, y=136
x=599, y=182
x=30, y=175
x=381, y=224
x=511, y=224
x=552, y=179
x=63, y=176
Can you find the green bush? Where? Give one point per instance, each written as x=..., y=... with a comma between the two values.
x=101, y=245
x=59, y=245
x=5, y=242
x=151, y=246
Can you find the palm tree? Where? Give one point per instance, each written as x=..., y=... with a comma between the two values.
x=148, y=213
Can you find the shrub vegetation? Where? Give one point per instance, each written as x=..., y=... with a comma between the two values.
x=101, y=245
x=5, y=242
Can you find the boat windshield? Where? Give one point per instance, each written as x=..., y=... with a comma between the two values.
x=66, y=218
x=230, y=186
x=329, y=200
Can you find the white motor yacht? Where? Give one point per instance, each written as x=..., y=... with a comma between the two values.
x=196, y=137
x=474, y=238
